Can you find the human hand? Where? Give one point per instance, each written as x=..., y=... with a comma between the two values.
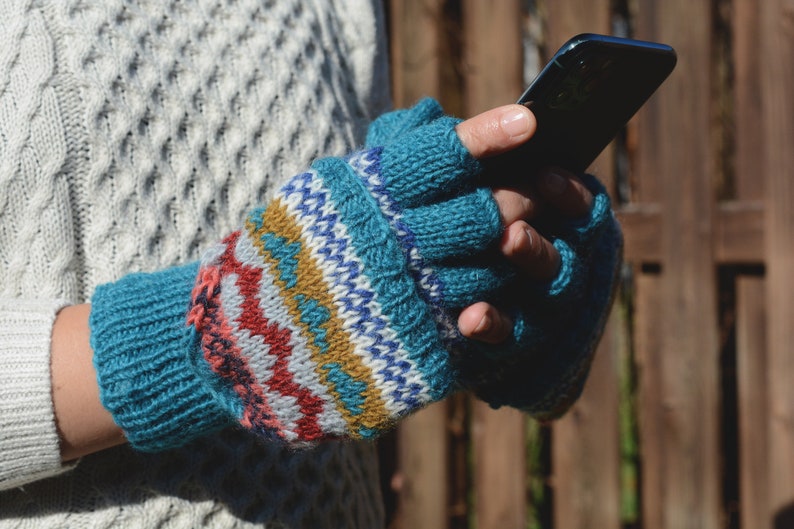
x=538, y=337
x=333, y=311
x=496, y=132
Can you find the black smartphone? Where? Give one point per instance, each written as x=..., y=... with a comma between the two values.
x=587, y=93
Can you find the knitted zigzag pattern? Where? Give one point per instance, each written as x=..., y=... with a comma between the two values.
x=321, y=315
x=331, y=312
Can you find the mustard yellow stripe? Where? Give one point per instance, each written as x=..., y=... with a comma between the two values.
x=276, y=220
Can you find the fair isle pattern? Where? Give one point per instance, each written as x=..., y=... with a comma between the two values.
x=276, y=363
x=306, y=349
x=367, y=166
x=380, y=347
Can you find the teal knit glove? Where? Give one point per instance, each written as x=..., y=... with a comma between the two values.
x=542, y=368
x=332, y=312
x=325, y=316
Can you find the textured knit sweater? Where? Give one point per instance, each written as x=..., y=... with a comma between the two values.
x=132, y=135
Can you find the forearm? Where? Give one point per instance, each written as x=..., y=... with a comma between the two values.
x=84, y=425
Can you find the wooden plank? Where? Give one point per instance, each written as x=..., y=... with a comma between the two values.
x=678, y=149
x=585, y=443
x=422, y=478
x=417, y=59
x=493, y=53
x=416, y=53
x=493, y=76
x=738, y=232
x=648, y=356
x=498, y=439
x=747, y=128
x=586, y=447
x=752, y=390
x=777, y=82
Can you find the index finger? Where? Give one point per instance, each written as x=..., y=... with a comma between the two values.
x=497, y=131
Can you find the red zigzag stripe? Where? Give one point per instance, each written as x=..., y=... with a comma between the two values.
x=277, y=339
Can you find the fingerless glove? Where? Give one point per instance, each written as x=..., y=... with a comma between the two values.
x=543, y=367
x=332, y=312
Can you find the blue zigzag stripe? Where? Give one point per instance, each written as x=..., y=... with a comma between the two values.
x=367, y=166
x=396, y=372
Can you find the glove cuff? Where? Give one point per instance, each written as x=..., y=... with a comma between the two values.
x=143, y=355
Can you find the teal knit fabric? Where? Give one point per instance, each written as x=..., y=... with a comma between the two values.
x=543, y=367
x=332, y=311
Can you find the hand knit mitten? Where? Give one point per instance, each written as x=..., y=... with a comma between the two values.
x=542, y=368
x=329, y=314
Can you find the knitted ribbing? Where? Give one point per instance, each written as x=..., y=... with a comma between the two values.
x=323, y=317
x=132, y=135
x=26, y=428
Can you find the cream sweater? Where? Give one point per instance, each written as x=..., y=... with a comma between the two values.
x=132, y=135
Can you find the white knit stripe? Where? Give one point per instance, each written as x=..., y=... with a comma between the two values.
x=285, y=408
x=368, y=334
x=424, y=274
x=300, y=364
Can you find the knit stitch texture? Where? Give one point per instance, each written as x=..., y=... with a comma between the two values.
x=325, y=316
x=133, y=135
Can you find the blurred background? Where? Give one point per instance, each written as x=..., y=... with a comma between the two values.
x=687, y=420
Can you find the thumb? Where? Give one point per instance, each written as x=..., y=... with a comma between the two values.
x=497, y=130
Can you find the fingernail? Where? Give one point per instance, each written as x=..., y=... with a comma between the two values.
x=484, y=326
x=525, y=247
x=553, y=183
x=515, y=123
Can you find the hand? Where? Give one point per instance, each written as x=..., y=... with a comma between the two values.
x=495, y=132
x=332, y=311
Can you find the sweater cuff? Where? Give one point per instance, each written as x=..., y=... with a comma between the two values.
x=146, y=358
x=29, y=445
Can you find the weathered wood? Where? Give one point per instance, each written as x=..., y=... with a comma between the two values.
x=498, y=439
x=672, y=221
x=751, y=338
x=492, y=55
x=493, y=76
x=752, y=400
x=738, y=232
x=585, y=443
x=748, y=128
x=586, y=447
x=678, y=146
x=648, y=354
x=422, y=479
x=416, y=51
x=777, y=85
x=417, y=57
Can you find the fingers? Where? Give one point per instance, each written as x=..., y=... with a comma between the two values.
x=565, y=192
x=517, y=204
x=485, y=323
x=531, y=253
x=497, y=131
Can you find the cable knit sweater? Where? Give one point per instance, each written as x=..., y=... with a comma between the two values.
x=121, y=123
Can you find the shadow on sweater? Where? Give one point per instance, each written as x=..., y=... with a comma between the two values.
x=229, y=480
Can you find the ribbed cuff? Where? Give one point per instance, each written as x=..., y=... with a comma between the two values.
x=29, y=446
x=144, y=354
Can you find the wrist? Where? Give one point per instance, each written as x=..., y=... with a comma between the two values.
x=84, y=425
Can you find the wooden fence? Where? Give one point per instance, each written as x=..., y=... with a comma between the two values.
x=687, y=420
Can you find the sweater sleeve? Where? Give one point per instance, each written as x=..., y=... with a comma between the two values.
x=29, y=446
